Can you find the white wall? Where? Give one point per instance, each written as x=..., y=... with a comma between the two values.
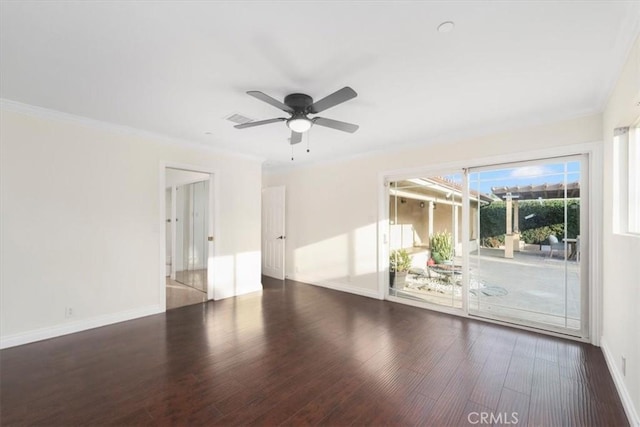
x=82, y=222
x=621, y=269
x=338, y=247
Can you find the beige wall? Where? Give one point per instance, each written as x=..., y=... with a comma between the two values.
x=81, y=223
x=418, y=218
x=621, y=270
x=338, y=247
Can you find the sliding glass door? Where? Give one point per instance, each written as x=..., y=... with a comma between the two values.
x=527, y=266
x=425, y=239
x=505, y=242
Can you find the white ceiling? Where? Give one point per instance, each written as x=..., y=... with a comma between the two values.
x=178, y=68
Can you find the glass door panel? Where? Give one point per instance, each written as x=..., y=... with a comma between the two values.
x=524, y=262
x=425, y=239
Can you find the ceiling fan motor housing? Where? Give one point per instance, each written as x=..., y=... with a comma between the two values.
x=298, y=101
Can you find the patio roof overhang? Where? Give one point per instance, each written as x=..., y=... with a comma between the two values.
x=536, y=192
x=432, y=187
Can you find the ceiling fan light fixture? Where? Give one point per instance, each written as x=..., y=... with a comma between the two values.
x=299, y=124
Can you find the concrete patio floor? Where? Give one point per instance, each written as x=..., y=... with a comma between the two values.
x=531, y=288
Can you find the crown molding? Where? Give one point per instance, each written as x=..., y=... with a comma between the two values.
x=46, y=113
x=460, y=135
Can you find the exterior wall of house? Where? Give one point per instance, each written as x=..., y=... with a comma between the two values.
x=338, y=248
x=82, y=225
x=411, y=214
x=620, y=251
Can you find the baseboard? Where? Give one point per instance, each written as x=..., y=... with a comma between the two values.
x=76, y=326
x=627, y=403
x=335, y=286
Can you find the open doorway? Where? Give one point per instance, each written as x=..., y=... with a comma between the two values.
x=187, y=237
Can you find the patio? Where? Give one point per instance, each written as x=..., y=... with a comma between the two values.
x=530, y=287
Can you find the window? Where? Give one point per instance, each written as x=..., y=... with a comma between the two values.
x=634, y=179
x=627, y=179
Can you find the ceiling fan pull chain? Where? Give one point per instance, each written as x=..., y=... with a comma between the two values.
x=292, y=153
x=308, y=136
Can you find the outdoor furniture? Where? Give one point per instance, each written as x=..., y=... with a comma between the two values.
x=573, y=248
x=555, y=245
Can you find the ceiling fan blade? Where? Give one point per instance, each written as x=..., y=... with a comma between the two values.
x=296, y=137
x=258, y=123
x=338, y=97
x=269, y=100
x=336, y=124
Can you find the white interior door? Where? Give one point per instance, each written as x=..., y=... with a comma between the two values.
x=273, y=232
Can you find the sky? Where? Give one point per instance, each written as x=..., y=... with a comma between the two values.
x=542, y=173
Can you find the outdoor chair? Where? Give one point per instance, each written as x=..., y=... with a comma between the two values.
x=555, y=245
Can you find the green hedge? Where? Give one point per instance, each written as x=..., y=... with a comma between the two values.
x=548, y=219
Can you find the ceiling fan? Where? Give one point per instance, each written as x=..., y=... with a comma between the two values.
x=299, y=106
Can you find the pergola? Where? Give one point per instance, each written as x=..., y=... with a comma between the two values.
x=512, y=195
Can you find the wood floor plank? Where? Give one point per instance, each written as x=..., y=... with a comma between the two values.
x=433, y=385
x=450, y=406
x=491, y=381
x=546, y=406
x=361, y=401
x=525, y=345
x=298, y=355
x=515, y=406
x=520, y=374
x=475, y=414
x=299, y=395
x=416, y=410
x=325, y=402
x=547, y=349
x=583, y=408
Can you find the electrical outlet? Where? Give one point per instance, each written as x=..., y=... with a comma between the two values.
x=68, y=312
x=624, y=366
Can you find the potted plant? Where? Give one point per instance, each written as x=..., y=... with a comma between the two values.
x=399, y=265
x=441, y=245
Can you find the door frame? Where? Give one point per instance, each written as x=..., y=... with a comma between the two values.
x=594, y=152
x=214, y=207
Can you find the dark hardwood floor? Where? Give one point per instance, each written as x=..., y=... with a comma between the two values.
x=303, y=355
